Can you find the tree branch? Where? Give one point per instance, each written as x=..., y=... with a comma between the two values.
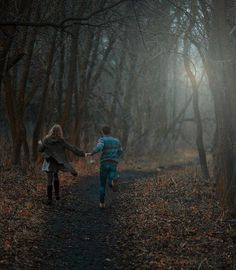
x=86, y=18
x=62, y=24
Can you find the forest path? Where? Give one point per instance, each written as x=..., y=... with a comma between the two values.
x=168, y=219
x=78, y=234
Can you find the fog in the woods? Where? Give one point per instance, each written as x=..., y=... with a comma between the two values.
x=160, y=73
x=159, y=190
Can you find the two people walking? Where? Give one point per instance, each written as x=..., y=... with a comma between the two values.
x=54, y=149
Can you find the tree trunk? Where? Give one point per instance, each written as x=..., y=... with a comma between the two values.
x=128, y=101
x=61, y=76
x=42, y=110
x=195, y=86
x=71, y=82
x=222, y=82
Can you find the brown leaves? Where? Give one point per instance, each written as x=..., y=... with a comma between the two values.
x=172, y=222
x=7, y=245
x=20, y=215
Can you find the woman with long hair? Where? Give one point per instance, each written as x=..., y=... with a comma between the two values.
x=54, y=149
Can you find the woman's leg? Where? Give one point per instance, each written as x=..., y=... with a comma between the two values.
x=56, y=186
x=49, y=187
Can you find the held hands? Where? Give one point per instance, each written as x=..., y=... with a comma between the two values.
x=91, y=161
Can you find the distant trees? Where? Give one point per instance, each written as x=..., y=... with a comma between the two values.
x=217, y=51
x=84, y=63
x=195, y=87
x=14, y=80
x=127, y=63
x=33, y=35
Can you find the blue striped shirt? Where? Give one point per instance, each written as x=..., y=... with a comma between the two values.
x=110, y=147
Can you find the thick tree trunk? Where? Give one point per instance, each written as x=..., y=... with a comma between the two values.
x=42, y=110
x=14, y=95
x=61, y=77
x=61, y=72
x=222, y=81
x=67, y=110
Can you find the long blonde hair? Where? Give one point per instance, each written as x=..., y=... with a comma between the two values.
x=55, y=132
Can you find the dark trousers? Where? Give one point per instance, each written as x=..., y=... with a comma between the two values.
x=108, y=171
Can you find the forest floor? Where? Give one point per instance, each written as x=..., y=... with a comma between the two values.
x=165, y=219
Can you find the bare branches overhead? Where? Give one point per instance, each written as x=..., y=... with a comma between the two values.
x=67, y=22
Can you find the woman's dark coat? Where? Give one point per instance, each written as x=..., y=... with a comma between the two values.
x=54, y=151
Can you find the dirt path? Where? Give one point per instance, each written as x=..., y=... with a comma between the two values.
x=155, y=222
x=78, y=234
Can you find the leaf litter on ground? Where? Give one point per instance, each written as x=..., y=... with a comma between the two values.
x=170, y=220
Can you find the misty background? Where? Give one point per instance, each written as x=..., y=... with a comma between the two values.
x=159, y=72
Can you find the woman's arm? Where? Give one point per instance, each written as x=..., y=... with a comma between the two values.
x=74, y=149
x=41, y=146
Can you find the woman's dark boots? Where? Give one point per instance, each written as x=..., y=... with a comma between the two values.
x=53, y=179
x=56, y=188
x=49, y=194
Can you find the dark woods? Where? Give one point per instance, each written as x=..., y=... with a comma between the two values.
x=161, y=73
